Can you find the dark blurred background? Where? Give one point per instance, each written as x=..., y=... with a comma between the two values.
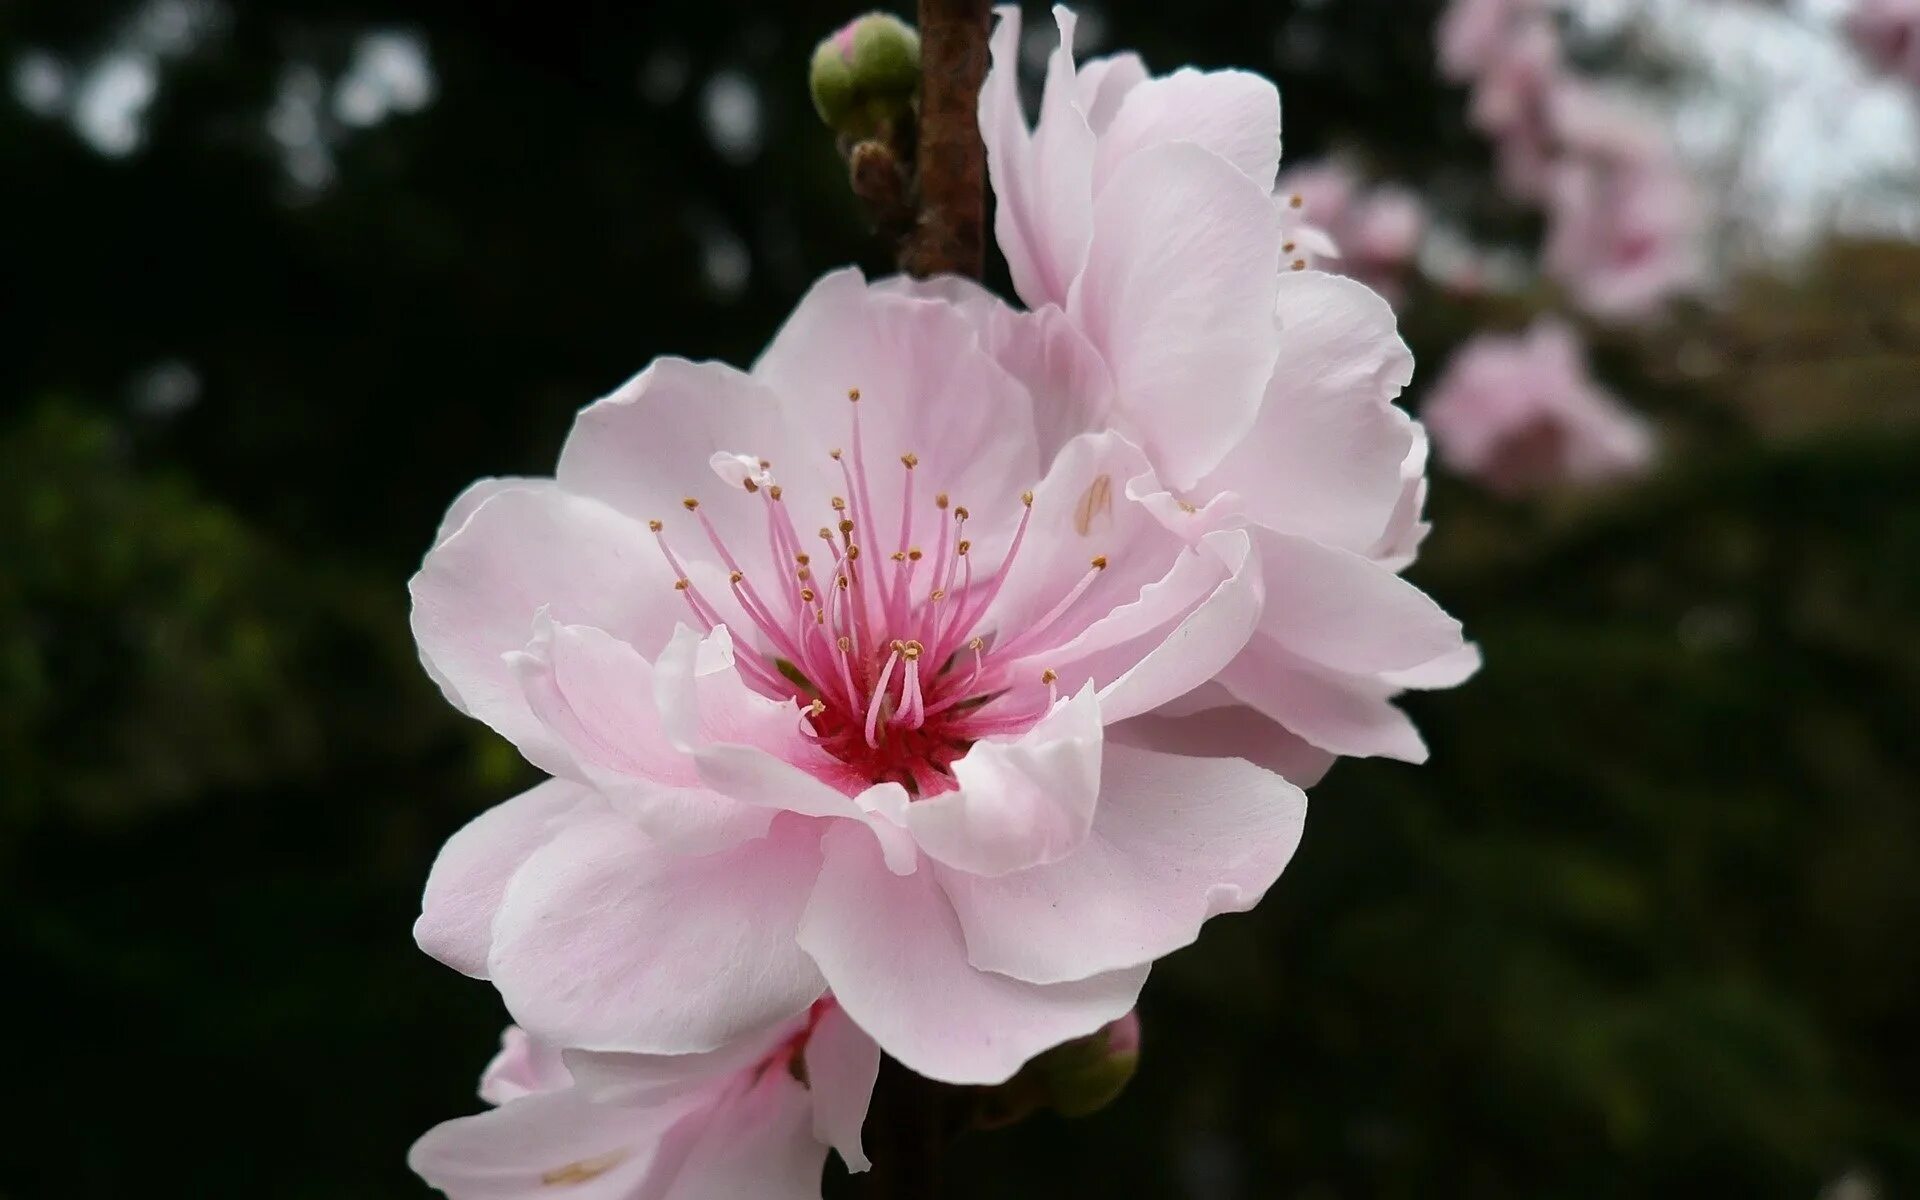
x=279, y=279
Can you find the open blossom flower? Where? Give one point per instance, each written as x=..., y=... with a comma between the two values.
x=1263, y=396
x=1376, y=231
x=753, y=1120
x=820, y=657
x=1887, y=35
x=1521, y=414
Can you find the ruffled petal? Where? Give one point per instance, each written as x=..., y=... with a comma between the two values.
x=1235, y=114
x=1325, y=457
x=893, y=950
x=1176, y=840
x=521, y=551
x=1178, y=296
x=1021, y=800
x=606, y=942
x=470, y=874
x=842, y=1063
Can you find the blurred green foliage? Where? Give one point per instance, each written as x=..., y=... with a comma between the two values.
x=1645, y=926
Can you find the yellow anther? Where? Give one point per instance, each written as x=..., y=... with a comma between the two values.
x=853, y=553
x=909, y=460
x=961, y=513
x=826, y=534
x=774, y=491
x=853, y=394
x=963, y=547
x=1100, y=562
x=750, y=485
x=846, y=526
x=895, y=645
x=834, y=454
x=913, y=552
x=816, y=708
x=803, y=574
x=1287, y=248
x=976, y=643
x=682, y=584
x=839, y=503
x=806, y=594
x=940, y=501
x=1026, y=498
x=897, y=556
x=844, y=642
x=841, y=582
x=911, y=651
x=690, y=504
x=655, y=526
x=1299, y=264
x=735, y=577
x=803, y=559
x=765, y=465
x=937, y=595
x=1049, y=675
x=1296, y=200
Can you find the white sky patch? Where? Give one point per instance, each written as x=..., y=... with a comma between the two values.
x=1792, y=136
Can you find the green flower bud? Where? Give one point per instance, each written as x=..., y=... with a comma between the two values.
x=865, y=77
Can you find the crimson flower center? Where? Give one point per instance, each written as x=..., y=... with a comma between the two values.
x=880, y=636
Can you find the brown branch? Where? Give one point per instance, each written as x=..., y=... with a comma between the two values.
x=951, y=235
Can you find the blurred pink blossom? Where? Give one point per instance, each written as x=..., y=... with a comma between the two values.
x=1887, y=35
x=1521, y=414
x=874, y=758
x=1474, y=34
x=753, y=1119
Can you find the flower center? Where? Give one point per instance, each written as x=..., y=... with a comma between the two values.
x=881, y=640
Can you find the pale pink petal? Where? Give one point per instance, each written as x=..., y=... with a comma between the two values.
x=552, y=1143
x=1071, y=387
x=1021, y=800
x=758, y=1145
x=521, y=551
x=479, y=492
x=892, y=948
x=605, y=942
x=1218, y=726
x=1235, y=114
x=1324, y=458
x=1176, y=841
x=1345, y=714
x=1178, y=635
x=1101, y=85
x=1346, y=612
x=525, y=1066
x=651, y=445
x=470, y=873
x=842, y=1063
x=926, y=387
x=1042, y=179
x=1178, y=296
x=1084, y=527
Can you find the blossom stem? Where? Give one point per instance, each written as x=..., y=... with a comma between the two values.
x=950, y=235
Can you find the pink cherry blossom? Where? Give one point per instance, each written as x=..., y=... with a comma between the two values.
x=1887, y=35
x=1521, y=414
x=751, y=1120
x=1623, y=221
x=1376, y=232
x=822, y=658
x=1263, y=397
